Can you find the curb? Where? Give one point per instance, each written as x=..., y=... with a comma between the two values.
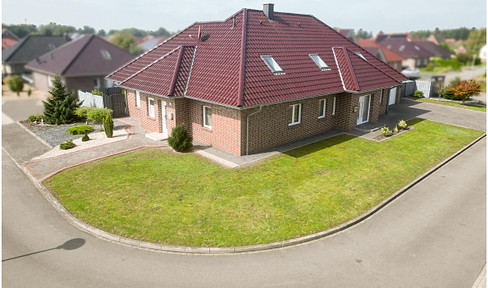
x=35, y=135
x=227, y=250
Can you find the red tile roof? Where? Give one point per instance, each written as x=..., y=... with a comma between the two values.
x=225, y=65
x=7, y=42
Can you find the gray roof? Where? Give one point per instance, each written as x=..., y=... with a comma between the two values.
x=31, y=47
x=88, y=55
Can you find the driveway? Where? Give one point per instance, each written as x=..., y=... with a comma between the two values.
x=431, y=236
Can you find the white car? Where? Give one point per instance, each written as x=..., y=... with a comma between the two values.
x=411, y=72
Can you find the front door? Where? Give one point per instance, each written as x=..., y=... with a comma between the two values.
x=164, y=128
x=364, y=103
x=392, y=99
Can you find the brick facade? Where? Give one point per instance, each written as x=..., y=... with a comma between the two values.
x=267, y=128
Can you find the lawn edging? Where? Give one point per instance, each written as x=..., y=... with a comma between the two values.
x=226, y=250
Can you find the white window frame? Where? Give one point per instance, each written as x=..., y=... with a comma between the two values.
x=318, y=60
x=105, y=54
x=96, y=83
x=324, y=108
x=294, y=121
x=151, y=111
x=50, y=81
x=205, y=111
x=334, y=106
x=138, y=99
x=272, y=64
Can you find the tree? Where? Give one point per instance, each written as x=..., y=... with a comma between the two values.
x=466, y=89
x=179, y=139
x=16, y=84
x=53, y=29
x=161, y=32
x=102, y=33
x=21, y=30
x=87, y=30
x=127, y=42
x=476, y=40
x=60, y=108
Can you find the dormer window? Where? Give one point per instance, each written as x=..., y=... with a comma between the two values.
x=275, y=68
x=316, y=58
x=105, y=54
x=360, y=55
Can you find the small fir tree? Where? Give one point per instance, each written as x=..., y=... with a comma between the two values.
x=108, y=126
x=60, y=108
x=180, y=140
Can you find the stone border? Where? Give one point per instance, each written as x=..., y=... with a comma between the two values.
x=226, y=250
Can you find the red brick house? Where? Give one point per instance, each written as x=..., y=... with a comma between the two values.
x=257, y=80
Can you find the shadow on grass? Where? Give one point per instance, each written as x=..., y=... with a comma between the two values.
x=317, y=146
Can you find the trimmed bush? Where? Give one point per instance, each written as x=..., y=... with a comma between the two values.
x=80, y=129
x=417, y=94
x=97, y=92
x=108, y=126
x=29, y=92
x=35, y=118
x=85, y=138
x=449, y=94
x=403, y=125
x=386, y=131
x=98, y=114
x=180, y=140
x=16, y=84
x=67, y=145
x=81, y=112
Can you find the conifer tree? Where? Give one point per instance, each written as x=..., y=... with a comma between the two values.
x=60, y=108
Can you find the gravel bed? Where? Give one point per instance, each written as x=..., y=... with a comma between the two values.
x=56, y=134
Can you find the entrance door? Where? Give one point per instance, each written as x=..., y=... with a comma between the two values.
x=364, y=103
x=393, y=92
x=163, y=119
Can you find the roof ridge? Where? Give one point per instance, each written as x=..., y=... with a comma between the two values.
x=338, y=68
x=77, y=54
x=177, y=69
x=21, y=43
x=349, y=63
x=151, y=64
x=242, y=66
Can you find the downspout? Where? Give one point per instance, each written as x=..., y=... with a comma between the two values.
x=247, y=127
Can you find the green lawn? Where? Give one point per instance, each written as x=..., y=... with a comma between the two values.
x=453, y=104
x=181, y=199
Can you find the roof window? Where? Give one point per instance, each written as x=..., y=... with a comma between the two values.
x=275, y=68
x=401, y=48
x=416, y=48
x=105, y=54
x=316, y=58
x=360, y=55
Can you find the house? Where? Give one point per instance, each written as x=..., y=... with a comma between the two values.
x=414, y=55
x=434, y=49
x=391, y=58
x=257, y=80
x=349, y=34
x=82, y=64
x=482, y=54
x=29, y=48
x=150, y=42
x=8, y=39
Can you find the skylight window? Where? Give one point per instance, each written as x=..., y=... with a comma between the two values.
x=360, y=55
x=316, y=58
x=105, y=54
x=401, y=48
x=275, y=68
x=416, y=48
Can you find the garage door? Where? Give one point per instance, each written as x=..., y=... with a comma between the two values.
x=393, y=93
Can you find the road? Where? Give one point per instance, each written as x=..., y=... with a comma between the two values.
x=432, y=236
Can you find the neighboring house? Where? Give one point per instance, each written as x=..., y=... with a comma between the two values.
x=391, y=58
x=8, y=39
x=29, y=48
x=349, y=34
x=483, y=52
x=461, y=49
x=150, y=42
x=257, y=80
x=436, y=39
x=434, y=49
x=82, y=64
x=414, y=55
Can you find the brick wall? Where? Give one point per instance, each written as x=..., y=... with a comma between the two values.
x=141, y=113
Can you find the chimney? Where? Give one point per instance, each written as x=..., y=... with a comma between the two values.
x=268, y=9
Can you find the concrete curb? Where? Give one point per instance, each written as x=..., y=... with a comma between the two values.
x=227, y=250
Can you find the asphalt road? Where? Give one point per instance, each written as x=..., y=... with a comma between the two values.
x=432, y=236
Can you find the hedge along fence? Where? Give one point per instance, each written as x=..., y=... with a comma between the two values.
x=113, y=99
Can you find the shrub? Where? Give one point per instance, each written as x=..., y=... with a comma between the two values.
x=98, y=114
x=386, y=131
x=395, y=130
x=29, y=92
x=454, y=82
x=35, y=118
x=180, y=140
x=449, y=94
x=16, y=84
x=81, y=112
x=67, y=145
x=417, y=94
x=403, y=125
x=85, y=138
x=108, y=126
x=97, y=92
x=80, y=129
x=466, y=89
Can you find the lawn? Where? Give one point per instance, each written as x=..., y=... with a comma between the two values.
x=182, y=199
x=453, y=104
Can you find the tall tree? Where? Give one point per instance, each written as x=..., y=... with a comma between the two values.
x=21, y=30
x=60, y=108
x=476, y=40
x=127, y=42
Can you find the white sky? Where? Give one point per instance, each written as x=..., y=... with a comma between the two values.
x=372, y=15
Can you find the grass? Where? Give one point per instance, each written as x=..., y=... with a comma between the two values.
x=453, y=104
x=181, y=199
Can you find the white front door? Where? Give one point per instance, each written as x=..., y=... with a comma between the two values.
x=163, y=118
x=364, y=103
x=393, y=92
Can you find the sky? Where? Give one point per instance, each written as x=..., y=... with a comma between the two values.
x=389, y=16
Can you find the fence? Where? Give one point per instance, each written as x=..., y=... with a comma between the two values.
x=429, y=88
x=113, y=98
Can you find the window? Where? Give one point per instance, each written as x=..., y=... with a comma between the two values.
x=416, y=47
x=96, y=83
x=419, y=62
x=138, y=99
x=334, y=106
x=322, y=107
x=105, y=54
x=401, y=48
x=50, y=80
x=295, y=115
x=360, y=55
x=426, y=61
x=51, y=46
x=150, y=108
x=275, y=68
x=316, y=58
x=381, y=96
x=207, y=117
